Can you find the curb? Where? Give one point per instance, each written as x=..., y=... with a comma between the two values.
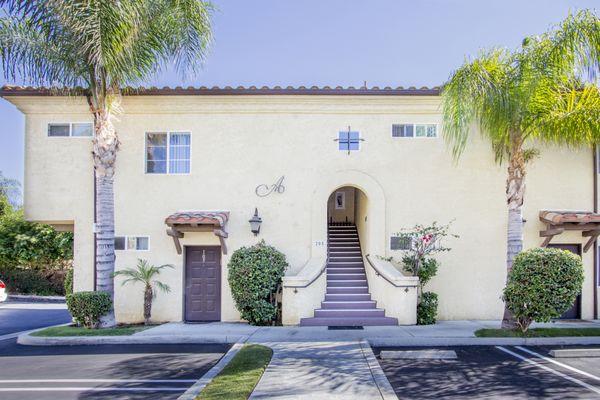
x=28, y=340
x=201, y=383
x=474, y=341
x=383, y=385
x=35, y=298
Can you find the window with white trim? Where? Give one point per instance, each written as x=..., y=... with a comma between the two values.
x=414, y=130
x=132, y=242
x=168, y=152
x=77, y=129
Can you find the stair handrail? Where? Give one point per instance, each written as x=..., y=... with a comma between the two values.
x=310, y=282
x=378, y=272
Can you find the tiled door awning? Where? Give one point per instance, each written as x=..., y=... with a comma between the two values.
x=559, y=221
x=197, y=221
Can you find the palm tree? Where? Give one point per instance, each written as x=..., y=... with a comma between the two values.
x=101, y=45
x=145, y=273
x=545, y=92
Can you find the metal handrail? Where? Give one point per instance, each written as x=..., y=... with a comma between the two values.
x=311, y=281
x=378, y=272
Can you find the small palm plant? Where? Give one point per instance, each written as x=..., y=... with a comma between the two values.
x=145, y=273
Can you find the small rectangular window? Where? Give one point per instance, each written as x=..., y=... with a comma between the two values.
x=141, y=243
x=414, y=130
x=55, y=130
x=402, y=130
x=82, y=130
x=131, y=242
x=119, y=242
x=168, y=153
x=76, y=130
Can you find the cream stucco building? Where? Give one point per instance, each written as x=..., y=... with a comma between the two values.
x=303, y=158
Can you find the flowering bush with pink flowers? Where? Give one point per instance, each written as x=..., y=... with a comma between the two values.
x=420, y=244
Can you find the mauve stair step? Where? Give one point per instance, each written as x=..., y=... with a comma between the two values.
x=345, y=265
x=347, y=277
x=347, y=290
x=356, y=313
x=347, y=283
x=352, y=297
x=348, y=297
x=378, y=321
x=345, y=257
x=344, y=247
x=341, y=270
x=352, y=305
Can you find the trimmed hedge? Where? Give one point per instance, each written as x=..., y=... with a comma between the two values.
x=427, y=309
x=86, y=308
x=542, y=285
x=33, y=281
x=255, y=275
x=68, y=283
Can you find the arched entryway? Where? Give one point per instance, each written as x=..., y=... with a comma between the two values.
x=347, y=300
x=369, y=211
x=349, y=206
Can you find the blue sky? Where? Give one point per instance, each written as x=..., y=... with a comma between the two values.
x=340, y=42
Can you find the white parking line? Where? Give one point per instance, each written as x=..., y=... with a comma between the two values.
x=533, y=353
x=546, y=368
x=97, y=380
x=94, y=389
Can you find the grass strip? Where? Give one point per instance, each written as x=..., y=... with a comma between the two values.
x=63, y=331
x=239, y=378
x=539, y=332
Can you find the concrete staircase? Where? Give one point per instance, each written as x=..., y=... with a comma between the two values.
x=347, y=299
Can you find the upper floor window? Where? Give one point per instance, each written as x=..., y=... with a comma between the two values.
x=168, y=153
x=414, y=130
x=83, y=129
x=348, y=140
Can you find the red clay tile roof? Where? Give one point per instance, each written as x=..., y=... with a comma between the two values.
x=569, y=217
x=217, y=218
x=9, y=90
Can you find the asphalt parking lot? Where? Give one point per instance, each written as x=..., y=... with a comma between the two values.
x=20, y=316
x=102, y=372
x=499, y=372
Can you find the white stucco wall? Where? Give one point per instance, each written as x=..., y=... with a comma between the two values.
x=239, y=142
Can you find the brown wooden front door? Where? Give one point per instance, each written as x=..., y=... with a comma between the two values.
x=202, y=283
x=575, y=311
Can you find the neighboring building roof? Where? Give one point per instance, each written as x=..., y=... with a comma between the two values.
x=10, y=90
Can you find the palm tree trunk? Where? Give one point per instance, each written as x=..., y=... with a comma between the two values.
x=515, y=192
x=147, y=304
x=105, y=145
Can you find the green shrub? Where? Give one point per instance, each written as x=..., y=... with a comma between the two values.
x=86, y=308
x=32, y=245
x=427, y=309
x=255, y=277
x=542, y=285
x=427, y=270
x=33, y=281
x=68, y=283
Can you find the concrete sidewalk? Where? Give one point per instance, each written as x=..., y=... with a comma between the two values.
x=440, y=334
x=444, y=333
x=321, y=370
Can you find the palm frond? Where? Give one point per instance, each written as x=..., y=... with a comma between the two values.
x=479, y=91
x=28, y=52
x=162, y=286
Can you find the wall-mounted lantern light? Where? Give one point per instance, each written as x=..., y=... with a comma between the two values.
x=255, y=222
